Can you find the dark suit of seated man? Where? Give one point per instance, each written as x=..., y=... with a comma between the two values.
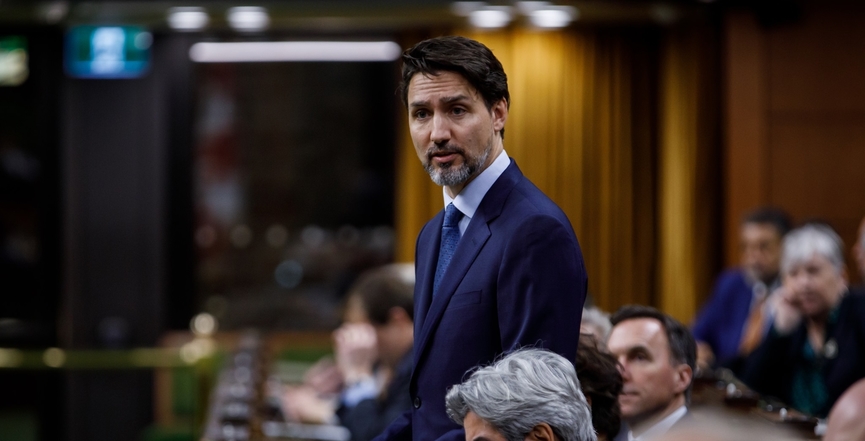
x=657, y=355
x=738, y=314
x=500, y=268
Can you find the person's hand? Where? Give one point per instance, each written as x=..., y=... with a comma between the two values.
x=785, y=306
x=303, y=404
x=355, y=350
x=324, y=377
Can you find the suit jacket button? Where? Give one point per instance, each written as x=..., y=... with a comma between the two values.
x=417, y=402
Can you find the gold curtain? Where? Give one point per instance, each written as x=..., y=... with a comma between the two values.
x=689, y=170
x=582, y=127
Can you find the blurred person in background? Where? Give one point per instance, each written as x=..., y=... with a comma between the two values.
x=847, y=418
x=859, y=251
x=601, y=383
x=737, y=316
x=529, y=395
x=372, y=358
x=656, y=355
x=816, y=347
x=596, y=323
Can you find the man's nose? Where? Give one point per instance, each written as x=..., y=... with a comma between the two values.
x=440, y=130
x=750, y=255
x=623, y=371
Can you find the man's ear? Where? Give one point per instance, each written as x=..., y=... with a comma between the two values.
x=684, y=375
x=541, y=432
x=500, y=114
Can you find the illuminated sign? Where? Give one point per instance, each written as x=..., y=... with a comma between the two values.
x=13, y=61
x=108, y=51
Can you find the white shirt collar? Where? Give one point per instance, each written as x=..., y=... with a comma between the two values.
x=468, y=200
x=661, y=427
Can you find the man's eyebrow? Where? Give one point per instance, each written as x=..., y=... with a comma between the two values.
x=638, y=349
x=453, y=99
x=445, y=100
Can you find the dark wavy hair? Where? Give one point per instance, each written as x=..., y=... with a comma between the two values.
x=601, y=383
x=776, y=217
x=383, y=288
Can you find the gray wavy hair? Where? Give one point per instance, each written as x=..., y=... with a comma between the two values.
x=525, y=388
x=804, y=242
x=593, y=316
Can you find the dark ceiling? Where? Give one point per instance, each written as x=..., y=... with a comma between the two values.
x=333, y=15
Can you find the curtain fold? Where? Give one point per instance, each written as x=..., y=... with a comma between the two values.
x=689, y=172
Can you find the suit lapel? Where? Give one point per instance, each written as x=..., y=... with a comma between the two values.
x=467, y=250
x=427, y=257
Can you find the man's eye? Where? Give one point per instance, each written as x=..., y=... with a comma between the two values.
x=459, y=110
x=420, y=114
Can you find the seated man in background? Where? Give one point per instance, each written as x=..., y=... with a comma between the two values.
x=737, y=316
x=373, y=357
x=530, y=394
x=656, y=355
x=846, y=420
x=601, y=383
x=814, y=350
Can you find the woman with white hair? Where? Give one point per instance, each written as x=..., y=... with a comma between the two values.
x=529, y=395
x=816, y=347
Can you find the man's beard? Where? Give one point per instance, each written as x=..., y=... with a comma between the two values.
x=449, y=174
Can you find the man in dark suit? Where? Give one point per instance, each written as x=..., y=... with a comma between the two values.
x=500, y=267
x=738, y=314
x=657, y=355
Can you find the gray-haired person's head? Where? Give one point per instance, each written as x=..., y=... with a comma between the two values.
x=805, y=242
x=596, y=322
x=526, y=388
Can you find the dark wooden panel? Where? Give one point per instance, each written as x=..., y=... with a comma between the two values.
x=817, y=170
x=745, y=117
x=817, y=64
x=795, y=117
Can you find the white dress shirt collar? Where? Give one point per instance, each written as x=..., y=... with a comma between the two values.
x=468, y=200
x=661, y=427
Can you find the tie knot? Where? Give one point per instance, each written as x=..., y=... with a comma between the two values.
x=452, y=216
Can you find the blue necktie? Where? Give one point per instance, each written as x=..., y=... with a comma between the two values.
x=450, y=238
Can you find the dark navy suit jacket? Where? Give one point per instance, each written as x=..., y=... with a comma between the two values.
x=516, y=279
x=721, y=321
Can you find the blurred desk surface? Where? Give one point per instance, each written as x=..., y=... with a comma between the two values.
x=184, y=396
x=732, y=402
